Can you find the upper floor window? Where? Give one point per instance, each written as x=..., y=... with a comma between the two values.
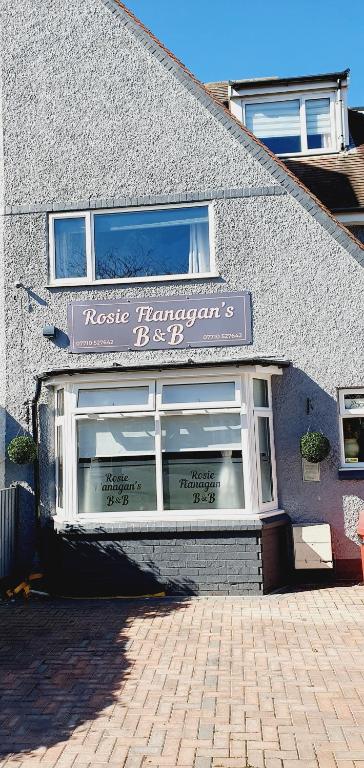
x=129, y=246
x=292, y=125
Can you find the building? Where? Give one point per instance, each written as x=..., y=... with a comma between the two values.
x=307, y=122
x=178, y=310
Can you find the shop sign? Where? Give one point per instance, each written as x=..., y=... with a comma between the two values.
x=213, y=320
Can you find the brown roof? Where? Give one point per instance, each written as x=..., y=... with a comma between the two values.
x=337, y=180
x=219, y=90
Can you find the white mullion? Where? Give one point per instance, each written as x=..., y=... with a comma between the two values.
x=266, y=505
x=273, y=460
x=52, y=250
x=57, y=424
x=158, y=462
x=303, y=124
x=70, y=456
x=251, y=449
x=90, y=251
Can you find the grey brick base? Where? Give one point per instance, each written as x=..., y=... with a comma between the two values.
x=231, y=562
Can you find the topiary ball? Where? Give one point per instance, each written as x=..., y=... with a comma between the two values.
x=22, y=450
x=315, y=447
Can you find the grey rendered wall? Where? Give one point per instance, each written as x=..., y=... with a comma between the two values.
x=2, y=305
x=90, y=113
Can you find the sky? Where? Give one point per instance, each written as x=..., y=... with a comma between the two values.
x=227, y=39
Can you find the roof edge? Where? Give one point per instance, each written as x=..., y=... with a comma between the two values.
x=280, y=362
x=268, y=159
x=321, y=77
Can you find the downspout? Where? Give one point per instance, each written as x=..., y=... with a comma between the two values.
x=35, y=434
x=341, y=115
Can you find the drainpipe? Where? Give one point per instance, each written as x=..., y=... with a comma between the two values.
x=341, y=115
x=35, y=434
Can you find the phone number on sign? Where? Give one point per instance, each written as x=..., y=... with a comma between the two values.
x=219, y=336
x=95, y=343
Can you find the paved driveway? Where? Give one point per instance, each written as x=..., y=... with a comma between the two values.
x=197, y=683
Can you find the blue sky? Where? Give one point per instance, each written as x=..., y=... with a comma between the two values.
x=227, y=39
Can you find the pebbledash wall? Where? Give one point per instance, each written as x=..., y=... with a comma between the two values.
x=96, y=114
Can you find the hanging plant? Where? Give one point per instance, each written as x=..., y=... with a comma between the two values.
x=315, y=447
x=22, y=450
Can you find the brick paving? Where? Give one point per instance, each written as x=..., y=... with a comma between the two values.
x=275, y=682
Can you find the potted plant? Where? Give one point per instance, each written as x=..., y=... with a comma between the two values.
x=22, y=450
x=315, y=447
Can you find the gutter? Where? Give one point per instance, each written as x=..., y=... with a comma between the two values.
x=263, y=361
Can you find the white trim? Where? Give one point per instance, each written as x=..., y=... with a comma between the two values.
x=124, y=384
x=280, y=89
x=89, y=216
x=243, y=406
x=111, y=378
x=206, y=406
x=348, y=413
x=351, y=218
x=302, y=96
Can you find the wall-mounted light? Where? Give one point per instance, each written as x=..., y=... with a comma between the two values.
x=49, y=331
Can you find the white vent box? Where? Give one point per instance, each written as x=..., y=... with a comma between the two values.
x=312, y=546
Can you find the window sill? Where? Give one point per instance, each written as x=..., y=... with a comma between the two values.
x=80, y=527
x=131, y=280
x=349, y=473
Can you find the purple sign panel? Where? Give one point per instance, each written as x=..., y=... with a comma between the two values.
x=215, y=320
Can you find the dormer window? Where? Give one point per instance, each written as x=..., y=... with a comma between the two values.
x=290, y=126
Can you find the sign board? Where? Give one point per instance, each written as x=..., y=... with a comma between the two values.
x=310, y=472
x=178, y=322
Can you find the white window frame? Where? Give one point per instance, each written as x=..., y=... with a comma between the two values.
x=349, y=413
x=249, y=441
x=265, y=411
x=176, y=407
x=127, y=409
x=59, y=421
x=302, y=98
x=89, y=215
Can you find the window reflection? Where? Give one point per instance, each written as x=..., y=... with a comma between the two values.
x=159, y=242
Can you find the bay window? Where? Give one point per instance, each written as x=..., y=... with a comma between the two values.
x=130, y=245
x=166, y=445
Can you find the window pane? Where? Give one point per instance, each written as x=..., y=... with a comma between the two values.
x=223, y=391
x=199, y=432
x=162, y=242
x=59, y=468
x=203, y=480
x=318, y=123
x=105, y=437
x=107, y=397
x=357, y=230
x=353, y=439
x=276, y=123
x=119, y=485
x=70, y=247
x=60, y=402
x=265, y=458
x=354, y=400
x=260, y=393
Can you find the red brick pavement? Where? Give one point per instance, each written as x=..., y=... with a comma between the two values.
x=271, y=682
